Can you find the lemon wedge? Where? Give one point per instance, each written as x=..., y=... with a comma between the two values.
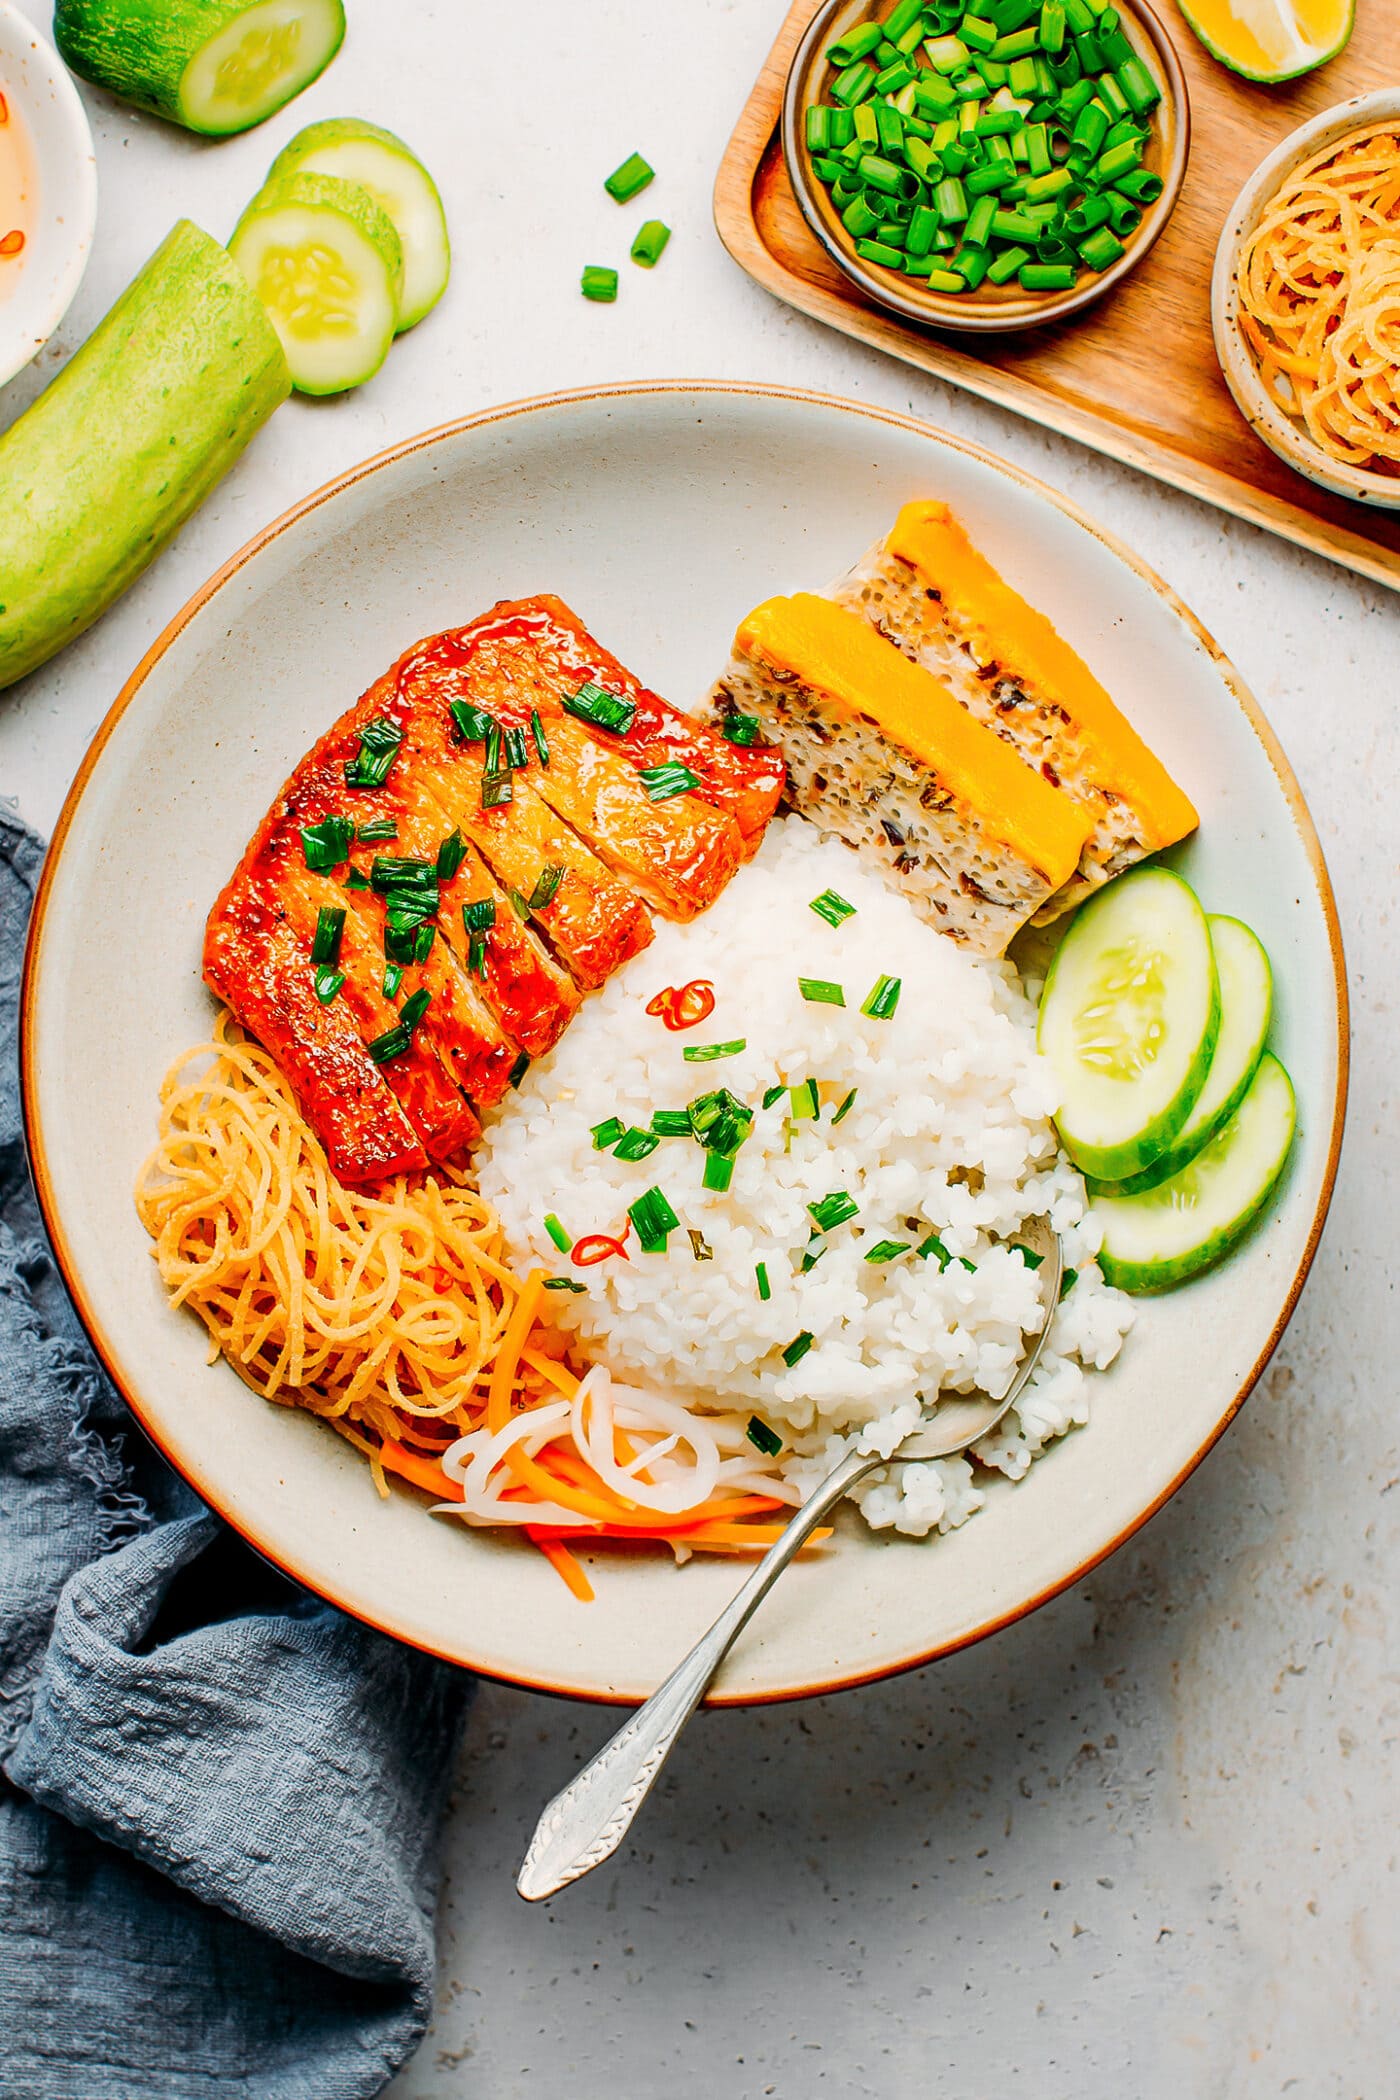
x=1271, y=39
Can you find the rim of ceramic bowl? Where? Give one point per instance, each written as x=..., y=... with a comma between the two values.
x=1284, y=437
x=61, y=141
x=1002, y=311
x=34, y=965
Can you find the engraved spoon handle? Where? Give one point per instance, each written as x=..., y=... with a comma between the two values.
x=589, y=1818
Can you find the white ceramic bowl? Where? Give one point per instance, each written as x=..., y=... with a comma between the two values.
x=1265, y=418
x=45, y=102
x=663, y=513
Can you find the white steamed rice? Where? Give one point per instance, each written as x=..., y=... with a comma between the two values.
x=949, y=1132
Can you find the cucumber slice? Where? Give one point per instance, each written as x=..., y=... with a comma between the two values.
x=1173, y=1232
x=215, y=66
x=1246, y=1005
x=399, y=184
x=133, y=433
x=328, y=266
x=1128, y=1020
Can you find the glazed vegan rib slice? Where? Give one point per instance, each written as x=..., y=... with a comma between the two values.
x=879, y=751
x=928, y=590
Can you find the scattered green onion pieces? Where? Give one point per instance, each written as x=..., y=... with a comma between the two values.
x=882, y=998
x=763, y=1438
x=327, y=983
x=413, y=1010
x=650, y=243
x=844, y=1110
x=805, y=1105
x=476, y=955
x=379, y=747
x=719, y=1171
x=472, y=724
x=1031, y=1259
x=832, y=907
x=598, y=284
x=496, y=790
x=670, y=1122
x=837, y=1209
x=327, y=844
x=603, y=710
x=661, y=782
x=706, y=1053
x=396, y=1040
x=607, y=1133
x=812, y=1257
x=393, y=978
x=629, y=179
x=450, y=855
x=773, y=1093
x=654, y=1219
x=557, y=1233
x=797, y=1348
x=820, y=991
x=740, y=729
x=933, y=1245
x=547, y=882
x=1067, y=1282
x=518, y=1069
x=537, y=732
x=565, y=1283
x=480, y=915
x=356, y=881
x=378, y=828
x=765, y=1288
x=635, y=1144
x=330, y=925
x=388, y=873
x=516, y=753
x=520, y=904
x=887, y=1250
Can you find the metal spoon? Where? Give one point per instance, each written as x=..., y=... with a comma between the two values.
x=585, y=1823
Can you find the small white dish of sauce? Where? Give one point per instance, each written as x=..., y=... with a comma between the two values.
x=48, y=190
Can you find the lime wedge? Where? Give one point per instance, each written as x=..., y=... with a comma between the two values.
x=1271, y=39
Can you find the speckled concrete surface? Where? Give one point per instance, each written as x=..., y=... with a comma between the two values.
x=1142, y=1845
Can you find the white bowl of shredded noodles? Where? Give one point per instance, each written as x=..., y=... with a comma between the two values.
x=1305, y=299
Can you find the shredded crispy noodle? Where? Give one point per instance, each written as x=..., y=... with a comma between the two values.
x=1319, y=289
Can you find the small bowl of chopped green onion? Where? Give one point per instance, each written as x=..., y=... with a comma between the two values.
x=986, y=164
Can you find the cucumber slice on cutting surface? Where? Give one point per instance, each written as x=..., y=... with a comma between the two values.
x=1173, y=1232
x=215, y=66
x=1129, y=1019
x=136, y=429
x=328, y=266
x=1246, y=1005
x=399, y=184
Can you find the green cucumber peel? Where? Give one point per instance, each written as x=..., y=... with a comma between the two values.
x=212, y=66
x=129, y=438
x=1155, y=1241
x=381, y=163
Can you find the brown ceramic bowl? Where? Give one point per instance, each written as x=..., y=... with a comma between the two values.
x=993, y=308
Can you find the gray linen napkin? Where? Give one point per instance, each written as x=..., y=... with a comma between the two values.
x=219, y=1798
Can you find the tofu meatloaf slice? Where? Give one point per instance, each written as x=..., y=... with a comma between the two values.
x=879, y=752
x=928, y=590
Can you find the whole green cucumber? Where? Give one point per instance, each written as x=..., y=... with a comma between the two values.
x=215, y=66
x=130, y=437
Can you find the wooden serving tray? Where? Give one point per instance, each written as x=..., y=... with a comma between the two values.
x=1136, y=375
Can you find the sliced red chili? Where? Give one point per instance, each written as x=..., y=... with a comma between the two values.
x=684, y=1005
x=595, y=1247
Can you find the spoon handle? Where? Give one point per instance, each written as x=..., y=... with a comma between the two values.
x=586, y=1822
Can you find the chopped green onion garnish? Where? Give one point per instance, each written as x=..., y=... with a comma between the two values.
x=765, y=1288
x=882, y=998
x=476, y=955
x=774, y=1093
x=605, y=710
x=970, y=1266
x=797, y=1348
x=472, y=724
x=629, y=179
x=517, y=751
x=812, y=1257
x=740, y=729
x=480, y=915
x=327, y=844
x=550, y=878
x=719, y=1171
x=496, y=790
x=635, y=1144
x=933, y=1245
x=565, y=1283
x=804, y=1103
x=606, y=1134
x=671, y=1122
x=699, y=1245
x=661, y=782
x=492, y=758
x=832, y=907
x=1067, y=1282
x=654, y=1219
x=846, y=1106
x=356, y=881
x=521, y=904
x=450, y=855
x=598, y=284
x=518, y=1070
x=393, y=978
x=378, y=828
x=330, y=925
x=557, y=1233
x=820, y=991
x=537, y=732
x=720, y=1121
x=888, y=1250
x=650, y=243
x=833, y=1210
x=762, y=1438
x=413, y=1010
x=423, y=942
x=387, y=873
x=1031, y=1259
x=327, y=984
x=379, y=746
x=706, y=1053
x=392, y=1043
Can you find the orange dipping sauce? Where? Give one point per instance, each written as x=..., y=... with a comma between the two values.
x=18, y=193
